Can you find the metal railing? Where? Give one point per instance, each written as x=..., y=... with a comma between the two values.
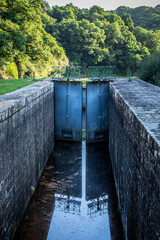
x=91, y=72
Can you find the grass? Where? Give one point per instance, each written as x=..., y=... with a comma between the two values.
x=9, y=85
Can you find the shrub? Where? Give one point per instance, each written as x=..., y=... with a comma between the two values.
x=150, y=70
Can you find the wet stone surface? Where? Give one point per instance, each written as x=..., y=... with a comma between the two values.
x=75, y=198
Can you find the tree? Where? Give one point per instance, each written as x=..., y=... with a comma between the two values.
x=145, y=17
x=125, y=51
x=67, y=12
x=82, y=40
x=128, y=21
x=33, y=34
x=102, y=38
x=23, y=33
x=148, y=38
x=12, y=44
x=150, y=69
x=45, y=6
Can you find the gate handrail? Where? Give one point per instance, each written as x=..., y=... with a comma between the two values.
x=78, y=72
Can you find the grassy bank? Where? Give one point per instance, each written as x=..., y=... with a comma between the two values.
x=9, y=85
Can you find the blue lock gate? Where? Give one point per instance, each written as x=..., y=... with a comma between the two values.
x=68, y=110
x=97, y=111
x=72, y=105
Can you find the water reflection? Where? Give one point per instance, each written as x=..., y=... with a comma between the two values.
x=98, y=180
x=74, y=198
x=67, y=177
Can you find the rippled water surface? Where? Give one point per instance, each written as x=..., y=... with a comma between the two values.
x=75, y=198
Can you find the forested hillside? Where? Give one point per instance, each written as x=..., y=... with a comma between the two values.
x=96, y=37
x=25, y=46
x=145, y=17
x=35, y=36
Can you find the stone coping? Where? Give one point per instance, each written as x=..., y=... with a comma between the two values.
x=143, y=101
x=12, y=102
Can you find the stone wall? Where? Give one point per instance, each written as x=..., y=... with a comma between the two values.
x=26, y=141
x=134, y=143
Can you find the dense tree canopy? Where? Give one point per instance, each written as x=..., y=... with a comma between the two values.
x=145, y=17
x=96, y=37
x=150, y=69
x=34, y=36
x=82, y=40
x=23, y=38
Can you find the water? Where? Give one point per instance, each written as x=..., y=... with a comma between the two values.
x=75, y=198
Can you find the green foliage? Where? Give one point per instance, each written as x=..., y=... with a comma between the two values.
x=82, y=40
x=23, y=38
x=98, y=38
x=145, y=17
x=123, y=46
x=67, y=12
x=45, y=6
x=150, y=69
x=148, y=38
x=33, y=36
x=128, y=21
x=11, y=70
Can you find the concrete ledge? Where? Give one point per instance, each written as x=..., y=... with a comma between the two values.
x=135, y=153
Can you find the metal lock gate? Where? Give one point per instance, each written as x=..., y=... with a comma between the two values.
x=74, y=105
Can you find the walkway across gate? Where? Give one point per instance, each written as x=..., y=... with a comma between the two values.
x=74, y=104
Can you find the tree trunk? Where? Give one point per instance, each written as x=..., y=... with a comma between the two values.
x=18, y=64
x=1, y=75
